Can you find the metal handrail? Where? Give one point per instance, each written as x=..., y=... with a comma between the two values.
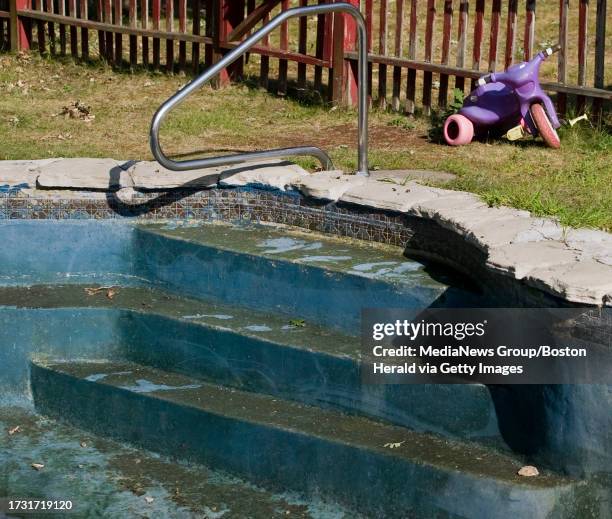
x=241, y=49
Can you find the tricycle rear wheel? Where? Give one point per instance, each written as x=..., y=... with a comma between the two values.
x=544, y=126
x=458, y=130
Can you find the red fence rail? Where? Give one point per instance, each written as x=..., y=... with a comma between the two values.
x=419, y=49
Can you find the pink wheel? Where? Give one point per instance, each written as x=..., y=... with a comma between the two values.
x=547, y=132
x=458, y=130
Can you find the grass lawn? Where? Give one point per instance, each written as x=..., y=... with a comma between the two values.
x=573, y=184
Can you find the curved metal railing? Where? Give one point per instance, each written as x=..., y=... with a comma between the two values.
x=232, y=56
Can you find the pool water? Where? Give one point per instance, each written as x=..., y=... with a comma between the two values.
x=212, y=370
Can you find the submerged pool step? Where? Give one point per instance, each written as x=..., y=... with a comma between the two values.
x=381, y=470
x=234, y=346
x=324, y=280
x=112, y=480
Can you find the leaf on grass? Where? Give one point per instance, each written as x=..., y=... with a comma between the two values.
x=76, y=110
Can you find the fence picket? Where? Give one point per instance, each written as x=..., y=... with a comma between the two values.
x=494, y=38
x=51, y=26
x=169, y=14
x=61, y=10
x=382, y=50
x=156, y=13
x=511, y=33
x=530, y=12
x=582, y=50
x=118, y=20
x=74, y=49
x=264, y=64
x=561, y=69
x=397, y=71
x=108, y=36
x=478, y=34
x=284, y=45
x=369, y=17
x=412, y=51
x=319, y=50
x=446, y=33
x=84, y=14
x=182, y=6
x=428, y=76
x=302, y=47
x=133, y=40
x=464, y=8
x=144, y=23
x=600, y=57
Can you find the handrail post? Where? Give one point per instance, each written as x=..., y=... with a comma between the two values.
x=235, y=54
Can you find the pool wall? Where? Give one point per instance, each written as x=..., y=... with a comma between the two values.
x=570, y=426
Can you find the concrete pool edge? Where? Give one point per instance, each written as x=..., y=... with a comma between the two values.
x=499, y=246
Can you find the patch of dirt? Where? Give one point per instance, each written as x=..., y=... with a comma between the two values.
x=380, y=137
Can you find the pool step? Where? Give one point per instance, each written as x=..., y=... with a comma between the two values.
x=261, y=267
x=108, y=479
x=378, y=469
x=224, y=344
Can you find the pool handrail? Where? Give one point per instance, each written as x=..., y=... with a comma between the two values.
x=228, y=59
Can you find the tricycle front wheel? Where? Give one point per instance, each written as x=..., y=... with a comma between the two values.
x=458, y=130
x=544, y=126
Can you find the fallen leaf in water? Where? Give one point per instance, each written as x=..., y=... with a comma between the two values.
x=14, y=430
x=38, y=466
x=149, y=499
x=528, y=471
x=83, y=444
x=394, y=445
x=92, y=291
x=299, y=323
x=110, y=293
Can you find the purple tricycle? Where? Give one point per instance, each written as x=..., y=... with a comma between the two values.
x=505, y=100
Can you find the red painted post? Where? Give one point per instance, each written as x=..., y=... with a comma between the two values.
x=156, y=14
x=302, y=46
x=19, y=33
x=344, y=77
x=283, y=64
x=582, y=51
x=495, y=15
x=229, y=14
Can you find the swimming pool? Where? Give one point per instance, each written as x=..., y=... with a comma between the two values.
x=205, y=352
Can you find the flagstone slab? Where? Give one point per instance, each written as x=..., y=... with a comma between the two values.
x=150, y=175
x=328, y=185
x=99, y=174
x=269, y=174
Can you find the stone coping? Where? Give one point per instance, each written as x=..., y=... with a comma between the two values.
x=572, y=264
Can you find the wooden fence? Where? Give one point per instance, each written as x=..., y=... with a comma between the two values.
x=419, y=49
